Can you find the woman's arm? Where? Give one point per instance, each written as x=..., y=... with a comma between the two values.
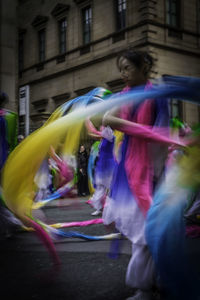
x=138, y=130
x=91, y=129
x=97, y=137
x=53, y=154
x=109, y=118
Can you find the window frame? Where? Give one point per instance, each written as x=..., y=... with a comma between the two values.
x=85, y=18
x=21, y=51
x=62, y=43
x=198, y=16
x=42, y=45
x=175, y=108
x=120, y=12
x=173, y=12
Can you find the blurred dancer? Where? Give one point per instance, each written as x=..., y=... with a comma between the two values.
x=172, y=223
x=131, y=193
x=8, y=140
x=104, y=166
x=65, y=172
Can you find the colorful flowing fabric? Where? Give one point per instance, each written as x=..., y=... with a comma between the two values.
x=125, y=205
x=91, y=165
x=78, y=224
x=71, y=141
x=137, y=155
x=172, y=225
x=72, y=224
x=166, y=238
x=27, y=157
x=56, y=233
x=106, y=162
x=75, y=234
x=73, y=134
x=42, y=181
x=62, y=191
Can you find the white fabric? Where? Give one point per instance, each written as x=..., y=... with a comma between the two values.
x=107, y=133
x=105, y=180
x=98, y=196
x=132, y=225
x=140, y=272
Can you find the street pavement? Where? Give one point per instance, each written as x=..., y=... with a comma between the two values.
x=87, y=270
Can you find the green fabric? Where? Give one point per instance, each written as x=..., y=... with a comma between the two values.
x=11, y=129
x=176, y=123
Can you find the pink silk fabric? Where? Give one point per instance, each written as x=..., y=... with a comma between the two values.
x=138, y=164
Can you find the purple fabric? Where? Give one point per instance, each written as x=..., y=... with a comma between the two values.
x=105, y=163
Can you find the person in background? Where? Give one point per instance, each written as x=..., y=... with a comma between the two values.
x=82, y=164
x=20, y=138
x=8, y=140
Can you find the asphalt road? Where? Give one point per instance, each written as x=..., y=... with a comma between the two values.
x=86, y=272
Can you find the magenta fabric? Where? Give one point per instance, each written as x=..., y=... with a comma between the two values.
x=193, y=231
x=78, y=224
x=90, y=127
x=65, y=171
x=44, y=237
x=138, y=162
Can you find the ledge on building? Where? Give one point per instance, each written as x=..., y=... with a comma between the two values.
x=40, y=105
x=60, y=9
x=84, y=49
x=118, y=36
x=115, y=85
x=39, y=20
x=80, y=1
x=40, y=67
x=60, y=58
x=84, y=91
x=39, y=118
x=175, y=32
x=60, y=99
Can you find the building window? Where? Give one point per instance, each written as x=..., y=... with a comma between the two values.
x=87, y=22
x=120, y=14
x=41, y=42
x=198, y=16
x=21, y=52
x=173, y=13
x=62, y=27
x=175, y=109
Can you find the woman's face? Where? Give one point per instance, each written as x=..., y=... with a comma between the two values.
x=130, y=74
x=82, y=148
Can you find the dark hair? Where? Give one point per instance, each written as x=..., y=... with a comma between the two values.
x=138, y=58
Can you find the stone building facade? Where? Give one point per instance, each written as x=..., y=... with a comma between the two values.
x=8, y=46
x=68, y=47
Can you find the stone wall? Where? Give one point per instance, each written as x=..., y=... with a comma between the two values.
x=8, y=39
